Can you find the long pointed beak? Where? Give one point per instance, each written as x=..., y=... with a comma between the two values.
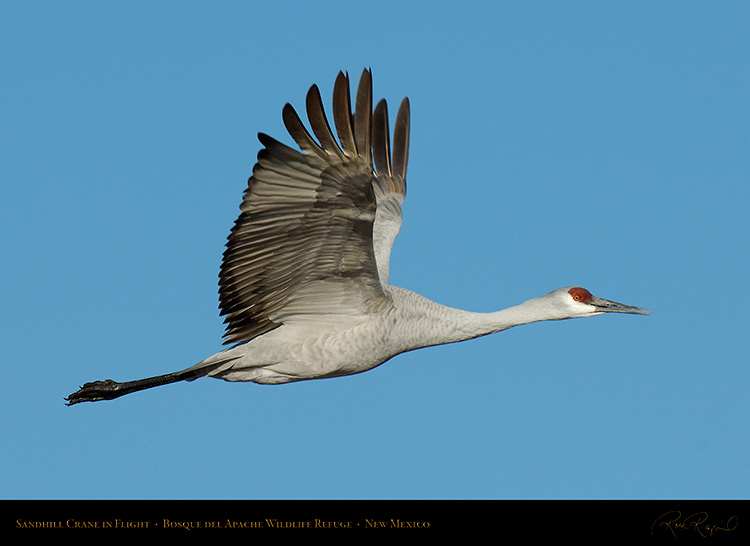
x=606, y=306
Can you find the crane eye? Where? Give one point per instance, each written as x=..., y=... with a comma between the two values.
x=577, y=297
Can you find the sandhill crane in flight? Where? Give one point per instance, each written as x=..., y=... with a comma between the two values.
x=304, y=279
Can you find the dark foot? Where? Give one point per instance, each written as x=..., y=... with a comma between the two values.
x=109, y=390
x=97, y=390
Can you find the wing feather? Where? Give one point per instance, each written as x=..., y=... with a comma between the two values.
x=316, y=224
x=401, y=141
x=381, y=139
x=342, y=112
x=316, y=115
x=363, y=116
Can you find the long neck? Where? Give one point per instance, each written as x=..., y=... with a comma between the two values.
x=534, y=310
x=437, y=324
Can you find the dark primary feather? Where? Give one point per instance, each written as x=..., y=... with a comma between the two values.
x=342, y=112
x=363, y=116
x=401, y=142
x=306, y=226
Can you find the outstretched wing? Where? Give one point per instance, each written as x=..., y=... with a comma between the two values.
x=302, y=247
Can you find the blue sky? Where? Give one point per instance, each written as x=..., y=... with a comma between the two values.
x=595, y=144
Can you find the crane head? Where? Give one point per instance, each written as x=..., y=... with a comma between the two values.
x=582, y=303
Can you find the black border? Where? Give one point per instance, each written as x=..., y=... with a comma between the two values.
x=671, y=520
